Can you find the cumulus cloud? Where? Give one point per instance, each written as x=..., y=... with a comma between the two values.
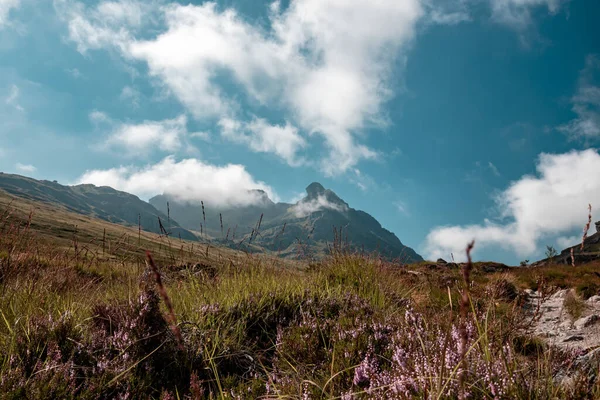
x=5, y=7
x=260, y=136
x=586, y=103
x=139, y=139
x=189, y=180
x=322, y=62
x=25, y=167
x=553, y=202
x=306, y=207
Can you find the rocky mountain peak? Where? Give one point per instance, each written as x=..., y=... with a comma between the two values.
x=314, y=190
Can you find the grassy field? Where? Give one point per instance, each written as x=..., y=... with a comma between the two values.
x=82, y=315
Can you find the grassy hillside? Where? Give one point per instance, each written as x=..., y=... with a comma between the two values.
x=83, y=316
x=100, y=202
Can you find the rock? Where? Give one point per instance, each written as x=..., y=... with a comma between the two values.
x=573, y=338
x=586, y=321
x=584, y=365
x=594, y=299
x=491, y=267
x=559, y=295
x=590, y=360
x=441, y=261
x=565, y=324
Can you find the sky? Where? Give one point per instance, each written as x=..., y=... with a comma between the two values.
x=447, y=121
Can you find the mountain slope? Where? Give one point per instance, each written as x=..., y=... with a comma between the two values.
x=590, y=251
x=311, y=225
x=99, y=202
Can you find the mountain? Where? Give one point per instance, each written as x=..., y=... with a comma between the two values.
x=309, y=226
x=100, y=202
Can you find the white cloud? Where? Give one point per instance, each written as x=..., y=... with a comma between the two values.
x=305, y=208
x=517, y=13
x=139, y=139
x=121, y=12
x=131, y=95
x=189, y=180
x=552, y=203
x=98, y=117
x=493, y=168
x=13, y=98
x=451, y=18
x=448, y=13
x=328, y=64
x=5, y=7
x=401, y=207
x=586, y=103
x=260, y=136
x=110, y=23
x=564, y=242
x=25, y=167
x=74, y=72
x=205, y=136
x=362, y=180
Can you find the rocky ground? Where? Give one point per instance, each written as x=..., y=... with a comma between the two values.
x=557, y=327
x=554, y=323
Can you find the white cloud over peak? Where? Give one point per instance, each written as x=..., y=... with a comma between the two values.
x=5, y=7
x=260, y=136
x=554, y=202
x=586, y=103
x=188, y=180
x=305, y=208
x=327, y=64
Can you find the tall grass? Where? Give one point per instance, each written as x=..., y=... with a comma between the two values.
x=77, y=324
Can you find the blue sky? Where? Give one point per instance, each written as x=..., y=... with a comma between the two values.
x=446, y=120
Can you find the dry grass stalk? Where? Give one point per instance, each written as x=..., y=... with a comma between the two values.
x=162, y=290
x=587, y=226
x=221, y=220
x=572, y=257
x=464, y=308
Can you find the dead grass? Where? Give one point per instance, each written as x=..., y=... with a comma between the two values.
x=574, y=305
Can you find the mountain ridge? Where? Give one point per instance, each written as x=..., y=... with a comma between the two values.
x=102, y=202
x=312, y=223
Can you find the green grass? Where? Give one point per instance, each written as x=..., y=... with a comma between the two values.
x=80, y=318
